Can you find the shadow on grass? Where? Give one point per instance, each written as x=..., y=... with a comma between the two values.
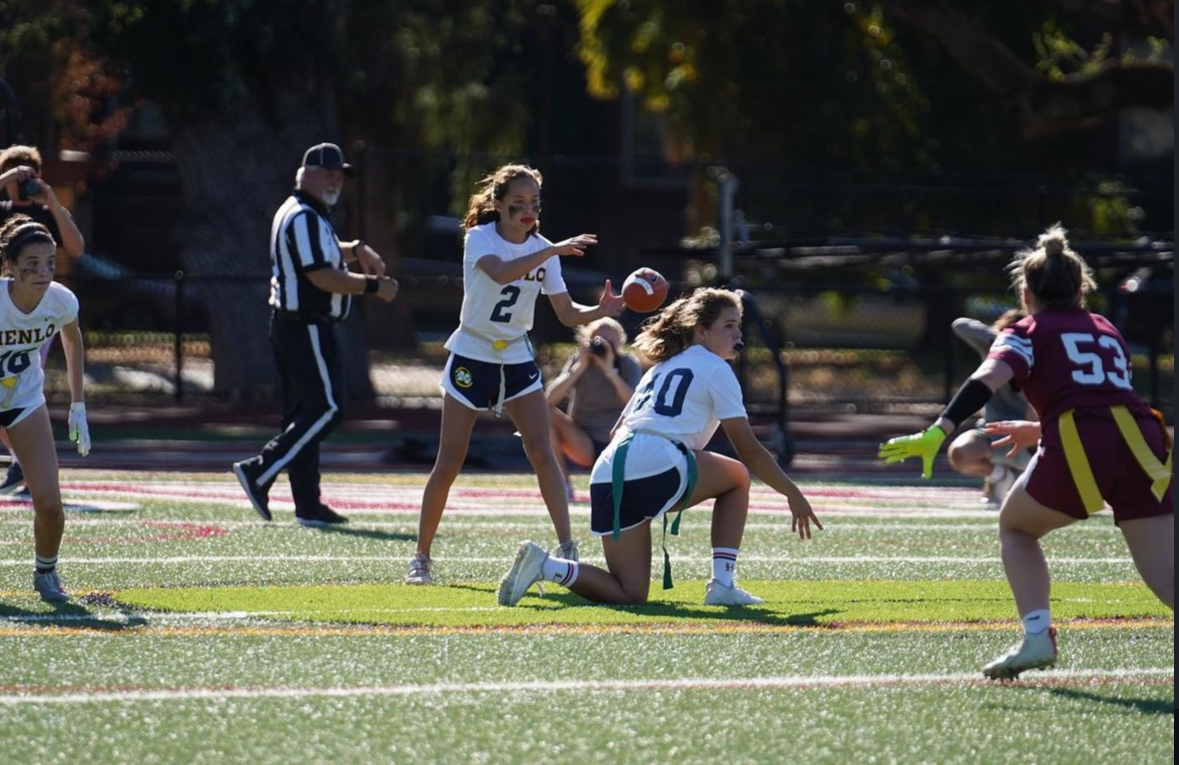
x=350, y=531
x=72, y=615
x=684, y=611
x=754, y=614
x=1139, y=705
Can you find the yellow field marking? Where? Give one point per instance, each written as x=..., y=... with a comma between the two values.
x=361, y=630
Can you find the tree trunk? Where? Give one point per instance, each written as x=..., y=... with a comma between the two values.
x=235, y=173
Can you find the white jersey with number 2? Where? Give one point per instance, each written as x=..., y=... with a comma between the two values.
x=682, y=399
x=501, y=312
x=21, y=337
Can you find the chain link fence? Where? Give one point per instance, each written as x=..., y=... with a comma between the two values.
x=833, y=343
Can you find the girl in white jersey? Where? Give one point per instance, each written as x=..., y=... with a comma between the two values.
x=656, y=462
x=33, y=308
x=507, y=265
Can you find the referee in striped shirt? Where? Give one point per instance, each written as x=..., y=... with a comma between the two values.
x=311, y=290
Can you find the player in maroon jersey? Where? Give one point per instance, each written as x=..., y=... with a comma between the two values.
x=1099, y=443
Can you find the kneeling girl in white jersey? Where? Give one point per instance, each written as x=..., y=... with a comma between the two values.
x=507, y=265
x=33, y=308
x=656, y=462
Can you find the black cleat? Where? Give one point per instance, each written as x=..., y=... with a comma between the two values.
x=246, y=472
x=321, y=517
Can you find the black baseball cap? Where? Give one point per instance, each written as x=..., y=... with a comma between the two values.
x=329, y=157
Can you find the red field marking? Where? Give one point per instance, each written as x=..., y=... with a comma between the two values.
x=183, y=531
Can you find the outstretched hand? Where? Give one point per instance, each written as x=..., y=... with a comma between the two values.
x=575, y=245
x=924, y=445
x=611, y=304
x=1018, y=434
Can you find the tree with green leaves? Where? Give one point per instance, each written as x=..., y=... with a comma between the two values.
x=247, y=86
x=892, y=89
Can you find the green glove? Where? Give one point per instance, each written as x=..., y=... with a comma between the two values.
x=923, y=445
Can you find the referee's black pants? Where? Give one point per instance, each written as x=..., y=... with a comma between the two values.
x=312, y=374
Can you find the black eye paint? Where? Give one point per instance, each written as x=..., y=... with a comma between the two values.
x=514, y=211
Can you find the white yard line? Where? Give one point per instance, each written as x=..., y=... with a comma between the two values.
x=788, y=682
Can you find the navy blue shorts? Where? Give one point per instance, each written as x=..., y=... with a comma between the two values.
x=476, y=383
x=10, y=417
x=642, y=498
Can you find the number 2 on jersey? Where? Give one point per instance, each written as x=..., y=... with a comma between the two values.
x=668, y=402
x=1092, y=370
x=501, y=313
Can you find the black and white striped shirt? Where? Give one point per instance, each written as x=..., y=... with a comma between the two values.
x=302, y=240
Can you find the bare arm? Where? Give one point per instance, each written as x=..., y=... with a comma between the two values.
x=75, y=356
x=608, y=362
x=762, y=464
x=346, y=283
x=357, y=251
x=574, y=314
x=71, y=238
x=562, y=386
x=507, y=271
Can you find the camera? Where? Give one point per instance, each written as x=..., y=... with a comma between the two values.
x=598, y=346
x=28, y=188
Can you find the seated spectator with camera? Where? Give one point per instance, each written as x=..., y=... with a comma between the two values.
x=20, y=178
x=598, y=380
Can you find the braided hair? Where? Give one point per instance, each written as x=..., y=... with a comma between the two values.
x=673, y=330
x=17, y=233
x=1052, y=271
x=493, y=188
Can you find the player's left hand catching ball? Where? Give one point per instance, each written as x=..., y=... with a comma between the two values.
x=79, y=430
x=924, y=445
x=611, y=304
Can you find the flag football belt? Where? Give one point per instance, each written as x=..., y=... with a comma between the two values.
x=1082, y=472
x=500, y=345
x=618, y=478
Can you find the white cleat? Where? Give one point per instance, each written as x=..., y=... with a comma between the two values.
x=567, y=551
x=525, y=571
x=49, y=587
x=1033, y=652
x=419, y=570
x=1003, y=485
x=717, y=594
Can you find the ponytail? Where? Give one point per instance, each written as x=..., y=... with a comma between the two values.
x=672, y=331
x=1052, y=272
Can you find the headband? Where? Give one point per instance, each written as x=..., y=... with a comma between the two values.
x=25, y=231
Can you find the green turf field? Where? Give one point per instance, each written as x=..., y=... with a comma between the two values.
x=200, y=634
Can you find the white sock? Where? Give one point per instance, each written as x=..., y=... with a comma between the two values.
x=1035, y=622
x=724, y=565
x=44, y=565
x=563, y=572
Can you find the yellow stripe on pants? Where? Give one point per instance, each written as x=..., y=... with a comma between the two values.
x=1159, y=472
x=1082, y=473
x=1078, y=464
